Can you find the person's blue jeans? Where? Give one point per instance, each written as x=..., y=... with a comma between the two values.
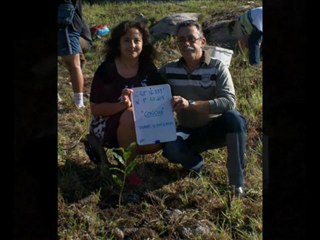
x=229, y=130
x=254, y=40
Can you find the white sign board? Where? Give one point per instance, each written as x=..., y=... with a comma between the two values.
x=153, y=114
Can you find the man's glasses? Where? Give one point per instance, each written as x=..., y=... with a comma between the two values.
x=190, y=39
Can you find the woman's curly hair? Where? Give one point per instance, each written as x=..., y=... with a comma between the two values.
x=112, y=45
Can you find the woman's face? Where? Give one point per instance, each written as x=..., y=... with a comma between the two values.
x=131, y=44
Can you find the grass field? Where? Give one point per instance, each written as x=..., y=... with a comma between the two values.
x=170, y=204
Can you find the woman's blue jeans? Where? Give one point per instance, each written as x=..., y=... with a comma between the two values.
x=229, y=130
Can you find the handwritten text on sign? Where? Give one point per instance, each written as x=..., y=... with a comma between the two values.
x=153, y=115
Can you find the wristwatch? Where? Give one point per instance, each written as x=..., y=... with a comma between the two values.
x=192, y=102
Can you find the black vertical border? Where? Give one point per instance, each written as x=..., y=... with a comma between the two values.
x=284, y=112
x=35, y=120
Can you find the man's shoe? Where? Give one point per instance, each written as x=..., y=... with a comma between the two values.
x=238, y=192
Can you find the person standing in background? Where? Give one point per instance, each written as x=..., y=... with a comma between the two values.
x=248, y=29
x=69, y=49
x=85, y=41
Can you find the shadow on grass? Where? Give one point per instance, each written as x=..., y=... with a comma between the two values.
x=78, y=181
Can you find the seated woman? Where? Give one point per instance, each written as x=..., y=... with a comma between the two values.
x=128, y=63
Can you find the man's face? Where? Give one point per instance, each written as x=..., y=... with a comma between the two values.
x=190, y=43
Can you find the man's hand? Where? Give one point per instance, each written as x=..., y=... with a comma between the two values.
x=179, y=103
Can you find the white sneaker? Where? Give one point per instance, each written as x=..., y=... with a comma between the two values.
x=79, y=106
x=78, y=100
x=59, y=98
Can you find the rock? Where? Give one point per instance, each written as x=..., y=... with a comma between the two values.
x=141, y=18
x=168, y=25
x=217, y=34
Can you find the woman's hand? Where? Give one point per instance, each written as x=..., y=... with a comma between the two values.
x=126, y=97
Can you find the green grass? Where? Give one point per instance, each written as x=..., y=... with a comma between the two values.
x=169, y=204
